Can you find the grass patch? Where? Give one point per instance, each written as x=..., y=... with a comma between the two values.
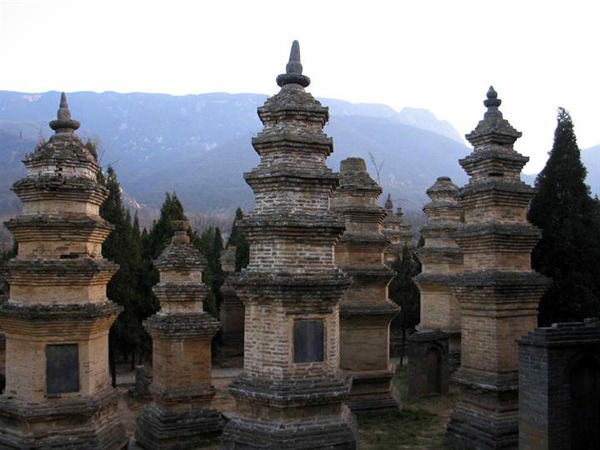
x=406, y=428
x=420, y=425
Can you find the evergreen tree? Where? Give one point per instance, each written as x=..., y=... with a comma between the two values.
x=237, y=239
x=569, y=250
x=210, y=244
x=120, y=247
x=405, y=293
x=161, y=233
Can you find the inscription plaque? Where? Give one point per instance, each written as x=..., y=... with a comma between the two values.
x=309, y=340
x=62, y=368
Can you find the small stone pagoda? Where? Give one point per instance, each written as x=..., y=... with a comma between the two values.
x=290, y=393
x=180, y=417
x=232, y=309
x=498, y=292
x=365, y=310
x=57, y=318
x=397, y=230
x=441, y=259
x=559, y=387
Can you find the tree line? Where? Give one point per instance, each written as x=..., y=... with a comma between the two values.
x=135, y=250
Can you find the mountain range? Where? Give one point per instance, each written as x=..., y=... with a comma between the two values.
x=200, y=145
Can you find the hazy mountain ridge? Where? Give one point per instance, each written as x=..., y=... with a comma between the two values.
x=200, y=145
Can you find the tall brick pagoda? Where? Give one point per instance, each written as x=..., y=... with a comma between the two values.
x=290, y=393
x=365, y=310
x=441, y=259
x=498, y=292
x=397, y=230
x=57, y=318
x=231, y=312
x=180, y=417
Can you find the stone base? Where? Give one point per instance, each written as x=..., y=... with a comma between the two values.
x=163, y=429
x=486, y=416
x=428, y=364
x=373, y=393
x=470, y=428
x=82, y=424
x=290, y=415
x=330, y=434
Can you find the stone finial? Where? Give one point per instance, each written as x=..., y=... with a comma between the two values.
x=180, y=227
x=389, y=205
x=399, y=211
x=293, y=69
x=63, y=122
x=493, y=128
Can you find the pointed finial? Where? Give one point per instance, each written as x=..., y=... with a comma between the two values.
x=293, y=69
x=389, y=205
x=63, y=122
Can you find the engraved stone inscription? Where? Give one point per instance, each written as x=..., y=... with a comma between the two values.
x=309, y=340
x=62, y=368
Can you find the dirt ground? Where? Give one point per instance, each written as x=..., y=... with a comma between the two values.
x=419, y=426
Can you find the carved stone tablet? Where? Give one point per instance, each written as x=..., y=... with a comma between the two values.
x=62, y=368
x=309, y=340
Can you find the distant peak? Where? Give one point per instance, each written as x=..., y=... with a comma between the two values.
x=293, y=69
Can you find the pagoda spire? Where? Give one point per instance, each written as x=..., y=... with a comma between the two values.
x=389, y=205
x=63, y=122
x=493, y=129
x=293, y=69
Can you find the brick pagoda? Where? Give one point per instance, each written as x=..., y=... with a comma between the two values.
x=290, y=393
x=180, y=417
x=498, y=292
x=232, y=309
x=441, y=259
x=57, y=318
x=397, y=230
x=559, y=387
x=365, y=310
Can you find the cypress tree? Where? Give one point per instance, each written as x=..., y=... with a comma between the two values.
x=405, y=293
x=126, y=333
x=237, y=239
x=569, y=250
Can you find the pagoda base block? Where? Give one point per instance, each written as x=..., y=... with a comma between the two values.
x=487, y=414
x=83, y=424
x=373, y=393
x=327, y=434
x=159, y=428
x=472, y=428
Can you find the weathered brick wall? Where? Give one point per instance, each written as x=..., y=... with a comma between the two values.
x=546, y=357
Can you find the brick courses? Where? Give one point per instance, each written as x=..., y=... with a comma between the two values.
x=498, y=292
x=282, y=402
x=58, y=304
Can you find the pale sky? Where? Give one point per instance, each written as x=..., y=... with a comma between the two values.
x=438, y=55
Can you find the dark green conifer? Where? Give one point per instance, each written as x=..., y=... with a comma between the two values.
x=569, y=250
x=405, y=293
x=237, y=239
x=126, y=334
